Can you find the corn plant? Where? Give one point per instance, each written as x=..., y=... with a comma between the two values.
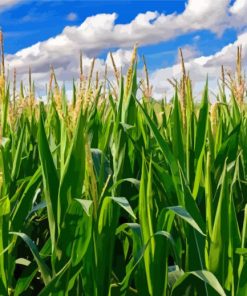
x=112, y=194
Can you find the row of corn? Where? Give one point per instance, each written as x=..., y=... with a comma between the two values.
x=107, y=194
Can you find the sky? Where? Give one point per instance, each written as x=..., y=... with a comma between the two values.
x=41, y=33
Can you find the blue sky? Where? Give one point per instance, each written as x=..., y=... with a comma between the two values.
x=34, y=21
x=202, y=30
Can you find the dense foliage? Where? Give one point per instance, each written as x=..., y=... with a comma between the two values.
x=110, y=195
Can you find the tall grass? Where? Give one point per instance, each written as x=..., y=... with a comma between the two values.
x=110, y=195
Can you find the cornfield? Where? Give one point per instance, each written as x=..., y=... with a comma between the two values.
x=108, y=194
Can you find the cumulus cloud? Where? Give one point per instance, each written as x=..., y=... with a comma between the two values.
x=200, y=67
x=121, y=58
x=71, y=17
x=101, y=32
x=66, y=66
x=4, y=4
x=239, y=9
x=189, y=52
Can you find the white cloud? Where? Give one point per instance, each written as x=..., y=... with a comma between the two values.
x=200, y=67
x=72, y=16
x=100, y=32
x=121, y=58
x=197, y=38
x=189, y=52
x=4, y=4
x=238, y=11
x=208, y=14
x=239, y=7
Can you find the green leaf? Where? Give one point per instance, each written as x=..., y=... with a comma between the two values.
x=182, y=213
x=86, y=204
x=123, y=202
x=189, y=279
x=4, y=243
x=74, y=171
x=50, y=180
x=242, y=288
x=44, y=269
x=58, y=286
x=201, y=135
x=18, y=155
x=133, y=181
x=76, y=231
x=176, y=130
x=24, y=204
x=25, y=279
